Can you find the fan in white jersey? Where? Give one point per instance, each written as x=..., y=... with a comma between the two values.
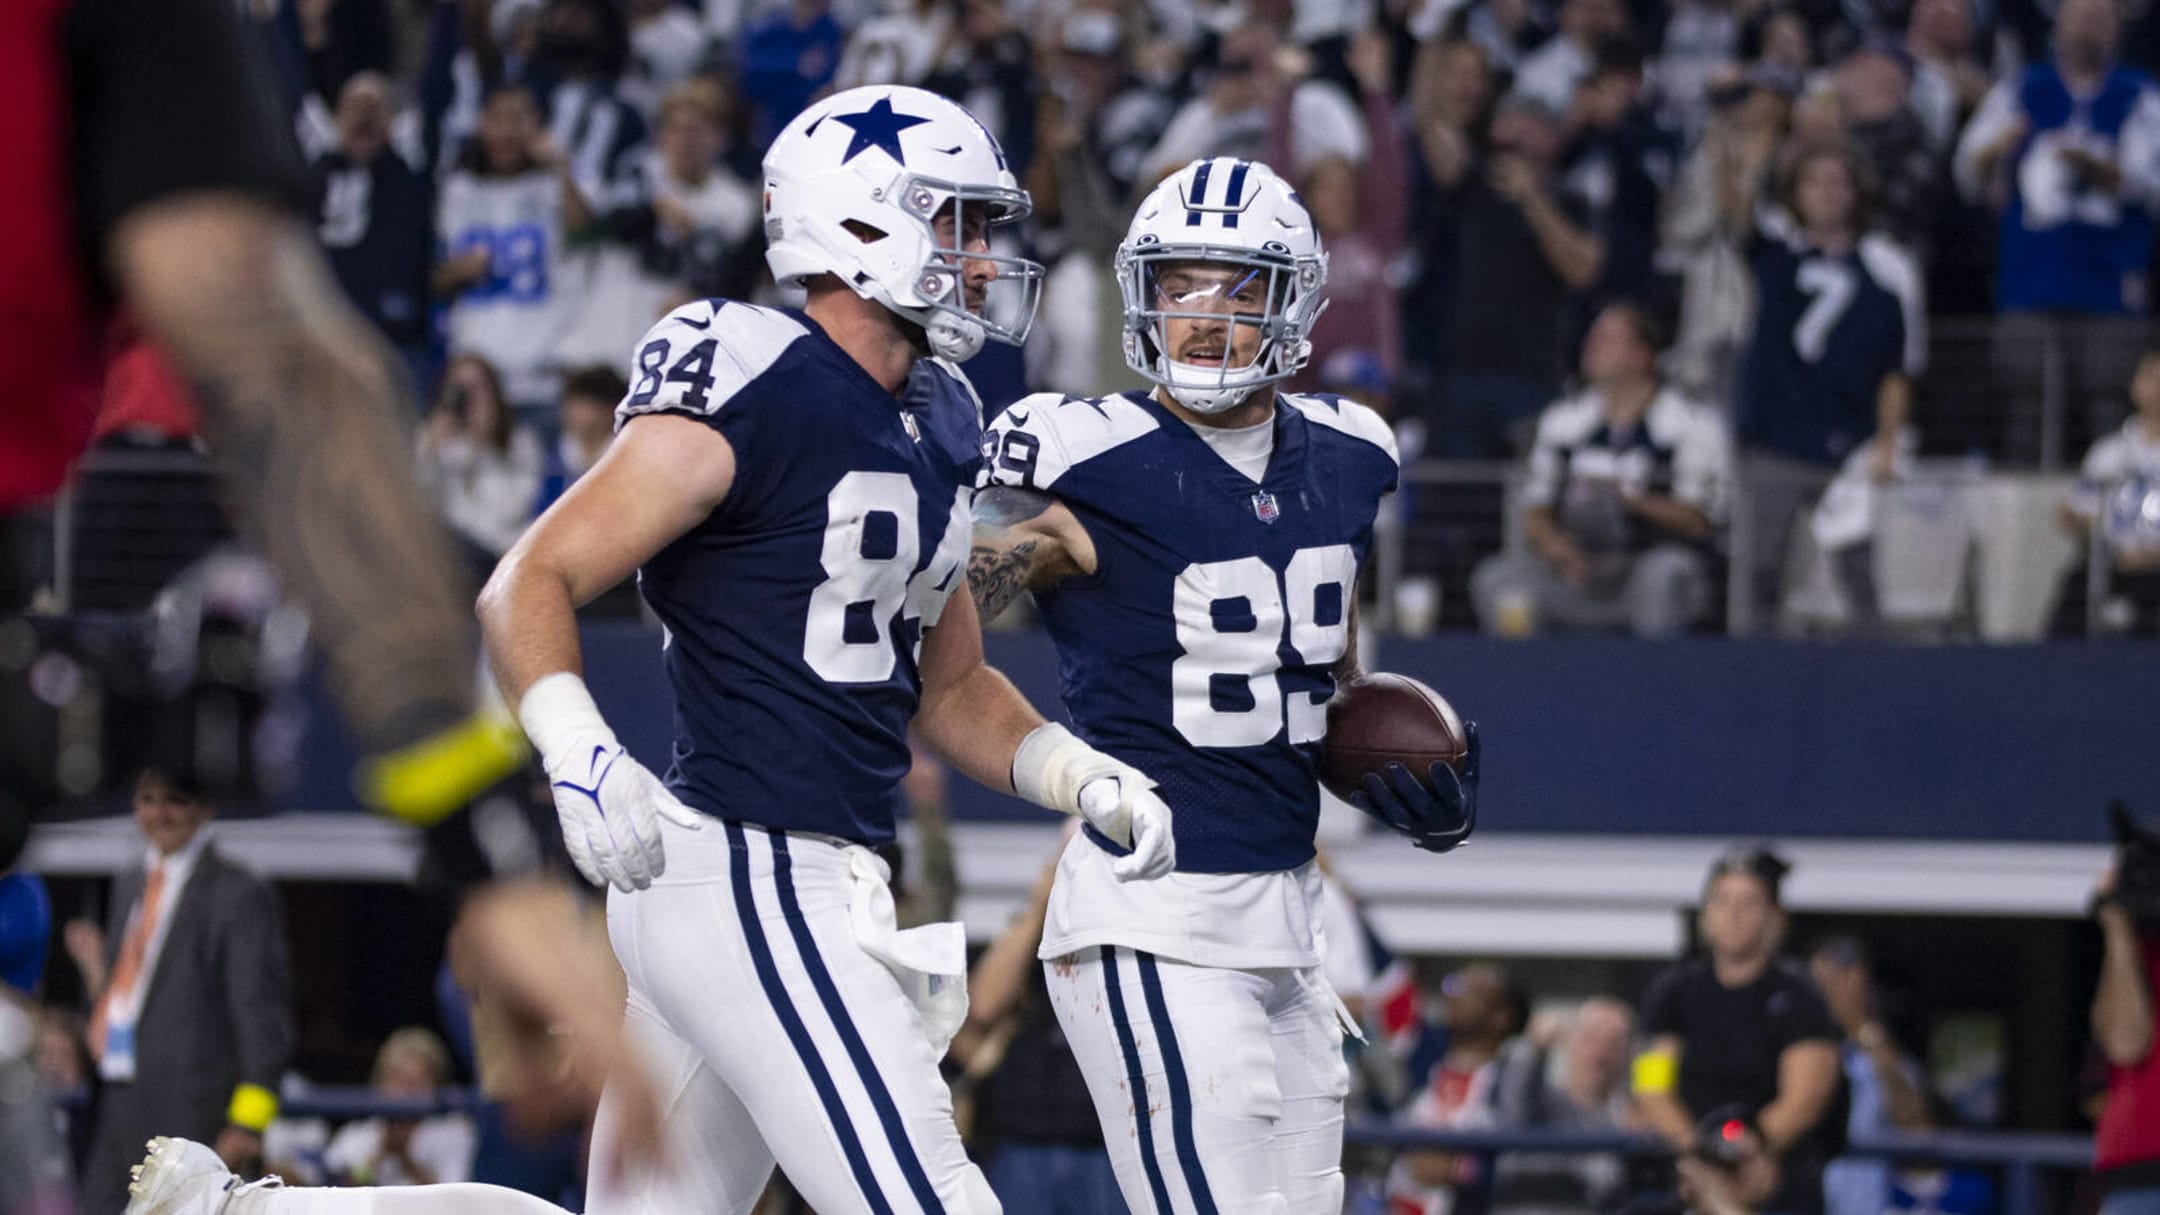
x=792, y=490
x=1194, y=552
x=502, y=218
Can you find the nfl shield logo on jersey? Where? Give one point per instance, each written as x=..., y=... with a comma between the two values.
x=1263, y=505
x=908, y=423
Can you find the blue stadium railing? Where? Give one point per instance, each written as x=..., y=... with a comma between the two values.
x=2022, y=1160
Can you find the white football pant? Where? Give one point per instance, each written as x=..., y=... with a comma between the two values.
x=1220, y=1091
x=770, y=1037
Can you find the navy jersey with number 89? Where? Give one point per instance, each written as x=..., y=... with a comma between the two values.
x=1200, y=649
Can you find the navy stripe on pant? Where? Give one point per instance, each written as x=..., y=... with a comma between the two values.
x=880, y=1097
x=805, y=1048
x=1181, y=1107
x=1136, y=1079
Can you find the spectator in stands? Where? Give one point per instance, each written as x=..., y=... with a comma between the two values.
x=2126, y=1145
x=413, y=1065
x=1260, y=105
x=1886, y=1090
x=1095, y=121
x=376, y=217
x=1779, y=45
x=1451, y=88
x=1506, y=31
x=320, y=45
x=482, y=468
x=1702, y=40
x=1839, y=336
x=989, y=67
x=2069, y=151
x=1525, y=254
x=897, y=46
x=680, y=227
x=788, y=57
x=1737, y=1026
x=1359, y=213
x=667, y=44
x=1621, y=163
x=1552, y=72
x=191, y=1020
x=584, y=427
x=503, y=218
x=582, y=50
x=1949, y=80
x=1709, y=218
x=1626, y=487
x=1032, y=1120
x=1574, y=1079
x=1874, y=88
x=2114, y=510
x=1482, y=1009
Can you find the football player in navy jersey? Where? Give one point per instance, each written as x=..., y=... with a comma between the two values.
x=1194, y=552
x=792, y=489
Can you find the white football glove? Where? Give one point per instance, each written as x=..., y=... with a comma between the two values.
x=1129, y=813
x=609, y=805
x=1055, y=769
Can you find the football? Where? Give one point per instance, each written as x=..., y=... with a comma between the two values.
x=1378, y=719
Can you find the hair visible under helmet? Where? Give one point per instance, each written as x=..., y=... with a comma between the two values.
x=853, y=188
x=1234, y=213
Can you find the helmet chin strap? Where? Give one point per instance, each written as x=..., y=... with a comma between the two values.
x=1212, y=399
x=954, y=337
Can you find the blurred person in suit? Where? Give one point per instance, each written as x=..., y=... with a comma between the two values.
x=191, y=1021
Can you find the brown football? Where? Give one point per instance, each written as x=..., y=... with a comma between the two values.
x=1378, y=719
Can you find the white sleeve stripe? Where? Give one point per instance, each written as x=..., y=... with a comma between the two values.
x=1890, y=265
x=748, y=340
x=1070, y=431
x=1353, y=419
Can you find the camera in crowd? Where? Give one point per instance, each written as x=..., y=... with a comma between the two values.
x=1725, y=1138
x=2137, y=868
x=204, y=688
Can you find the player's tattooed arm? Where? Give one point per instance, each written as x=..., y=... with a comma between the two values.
x=304, y=408
x=1025, y=540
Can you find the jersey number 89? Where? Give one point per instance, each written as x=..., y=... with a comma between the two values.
x=1234, y=619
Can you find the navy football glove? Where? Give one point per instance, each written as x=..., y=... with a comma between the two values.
x=1437, y=819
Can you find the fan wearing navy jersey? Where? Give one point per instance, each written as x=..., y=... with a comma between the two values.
x=792, y=489
x=1194, y=552
x=1840, y=334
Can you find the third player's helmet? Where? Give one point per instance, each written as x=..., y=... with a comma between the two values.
x=1233, y=212
x=853, y=188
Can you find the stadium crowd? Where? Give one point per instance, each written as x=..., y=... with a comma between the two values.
x=1776, y=203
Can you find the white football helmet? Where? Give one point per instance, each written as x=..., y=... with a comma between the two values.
x=1233, y=213
x=853, y=188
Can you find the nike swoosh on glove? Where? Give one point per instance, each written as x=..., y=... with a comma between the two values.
x=610, y=807
x=1438, y=818
x=1130, y=813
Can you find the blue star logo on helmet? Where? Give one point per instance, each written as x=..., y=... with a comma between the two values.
x=877, y=127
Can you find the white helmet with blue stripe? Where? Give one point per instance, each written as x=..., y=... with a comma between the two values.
x=1233, y=213
x=854, y=187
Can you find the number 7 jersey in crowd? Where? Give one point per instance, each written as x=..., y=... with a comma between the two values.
x=1200, y=650
x=795, y=611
